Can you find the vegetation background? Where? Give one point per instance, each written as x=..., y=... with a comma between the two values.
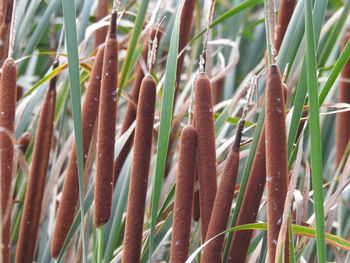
x=311, y=57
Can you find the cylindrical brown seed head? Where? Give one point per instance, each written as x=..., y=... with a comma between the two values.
x=5, y=29
x=130, y=113
x=70, y=192
x=36, y=181
x=8, y=97
x=101, y=33
x=139, y=171
x=251, y=202
x=276, y=157
x=106, y=132
x=223, y=202
x=206, y=148
x=285, y=13
x=184, y=195
x=184, y=35
x=343, y=119
x=4, y=42
x=23, y=141
x=216, y=90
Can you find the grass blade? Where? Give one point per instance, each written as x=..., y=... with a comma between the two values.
x=315, y=132
x=73, y=67
x=165, y=123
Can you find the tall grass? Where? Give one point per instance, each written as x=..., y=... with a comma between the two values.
x=142, y=218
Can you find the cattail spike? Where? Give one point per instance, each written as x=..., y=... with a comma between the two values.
x=276, y=157
x=206, y=148
x=107, y=118
x=343, y=118
x=183, y=195
x=70, y=192
x=36, y=180
x=8, y=98
x=113, y=25
x=223, y=201
x=139, y=171
x=130, y=113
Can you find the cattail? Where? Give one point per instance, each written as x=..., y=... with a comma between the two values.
x=223, y=202
x=184, y=195
x=130, y=113
x=101, y=33
x=285, y=13
x=8, y=96
x=206, y=149
x=184, y=35
x=276, y=157
x=23, y=141
x=70, y=192
x=5, y=28
x=139, y=171
x=251, y=202
x=36, y=181
x=196, y=203
x=106, y=128
x=2, y=9
x=216, y=90
x=343, y=118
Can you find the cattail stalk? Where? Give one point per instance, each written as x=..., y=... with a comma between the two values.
x=106, y=128
x=139, y=171
x=285, y=13
x=223, y=202
x=130, y=113
x=206, y=149
x=70, y=192
x=343, y=118
x=101, y=33
x=184, y=195
x=36, y=181
x=276, y=157
x=8, y=97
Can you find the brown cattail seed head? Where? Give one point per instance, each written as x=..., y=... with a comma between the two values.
x=276, y=157
x=206, y=148
x=139, y=171
x=184, y=195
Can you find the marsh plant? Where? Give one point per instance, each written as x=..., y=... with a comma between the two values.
x=174, y=131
